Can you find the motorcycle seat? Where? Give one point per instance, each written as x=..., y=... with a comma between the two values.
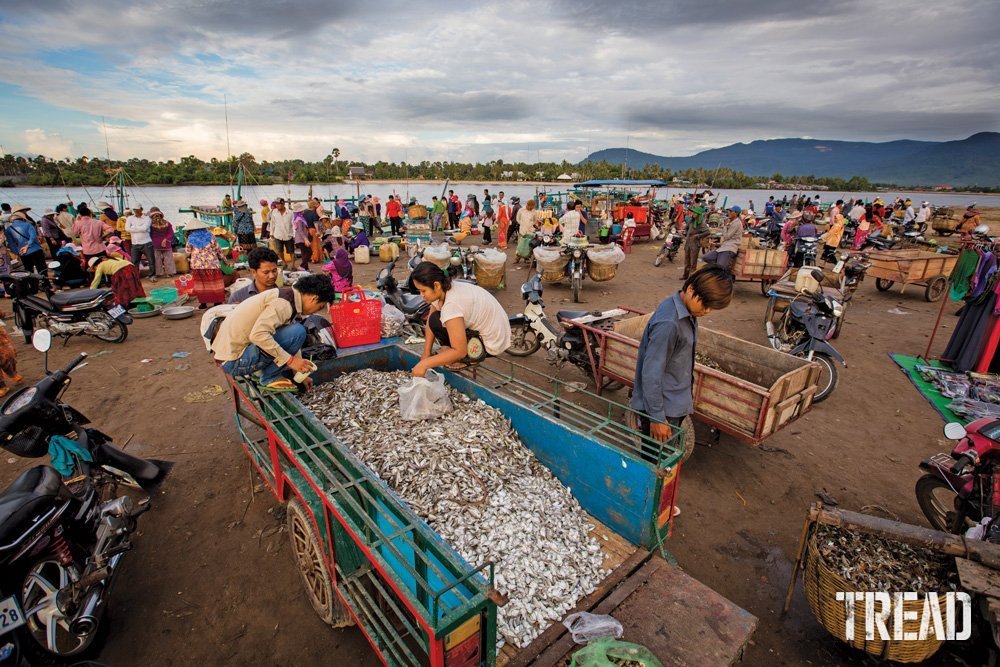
x=411, y=302
x=571, y=314
x=25, y=499
x=76, y=297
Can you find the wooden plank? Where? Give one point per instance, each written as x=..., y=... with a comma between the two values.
x=978, y=578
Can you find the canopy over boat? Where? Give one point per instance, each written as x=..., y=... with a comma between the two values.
x=613, y=182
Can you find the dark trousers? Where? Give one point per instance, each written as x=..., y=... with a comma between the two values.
x=487, y=234
x=144, y=250
x=284, y=247
x=54, y=245
x=305, y=254
x=34, y=262
x=441, y=332
x=723, y=259
x=691, y=252
x=452, y=220
x=396, y=224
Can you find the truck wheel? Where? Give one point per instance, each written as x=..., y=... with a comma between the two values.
x=315, y=574
x=883, y=285
x=935, y=289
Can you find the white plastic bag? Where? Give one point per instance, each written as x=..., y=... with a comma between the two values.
x=490, y=258
x=439, y=254
x=392, y=320
x=610, y=254
x=586, y=627
x=424, y=398
x=550, y=258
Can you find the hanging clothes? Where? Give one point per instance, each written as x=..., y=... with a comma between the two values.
x=984, y=273
x=963, y=272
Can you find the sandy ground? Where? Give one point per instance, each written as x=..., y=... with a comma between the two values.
x=212, y=581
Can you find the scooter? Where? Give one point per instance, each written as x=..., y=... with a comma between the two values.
x=412, y=305
x=963, y=488
x=90, y=312
x=804, y=330
x=62, y=538
x=671, y=246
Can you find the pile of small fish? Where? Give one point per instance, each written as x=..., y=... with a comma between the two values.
x=706, y=360
x=469, y=476
x=877, y=564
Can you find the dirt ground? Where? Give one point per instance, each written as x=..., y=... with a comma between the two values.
x=212, y=581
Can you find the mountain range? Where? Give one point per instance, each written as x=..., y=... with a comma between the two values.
x=971, y=161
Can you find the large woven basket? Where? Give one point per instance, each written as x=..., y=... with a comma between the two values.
x=601, y=272
x=821, y=585
x=490, y=278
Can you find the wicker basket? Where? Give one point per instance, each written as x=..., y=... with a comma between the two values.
x=553, y=275
x=601, y=272
x=821, y=586
x=491, y=279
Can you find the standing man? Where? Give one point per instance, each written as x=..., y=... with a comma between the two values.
x=769, y=206
x=22, y=238
x=263, y=264
x=731, y=235
x=282, y=232
x=138, y=226
x=454, y=209
x=856, y=212
x=394, y=210
x=923, y=216
x=438, y=211
x=515, y=206
x=664, y=372
x=697, y=230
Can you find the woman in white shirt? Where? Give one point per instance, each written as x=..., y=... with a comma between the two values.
x=466, y=320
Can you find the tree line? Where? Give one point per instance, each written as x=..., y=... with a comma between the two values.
x=191, y=170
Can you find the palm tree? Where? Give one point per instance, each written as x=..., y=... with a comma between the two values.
x=336, y=156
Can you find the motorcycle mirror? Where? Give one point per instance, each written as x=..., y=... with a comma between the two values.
x=954, y=431
x=41, y=340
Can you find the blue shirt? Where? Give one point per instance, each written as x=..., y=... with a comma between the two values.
x=664, y=370
x=21, y=233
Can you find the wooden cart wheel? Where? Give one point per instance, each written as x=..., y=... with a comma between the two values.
x=315, y=574
x=936, y=289
x=884, y=285
x=765, y=286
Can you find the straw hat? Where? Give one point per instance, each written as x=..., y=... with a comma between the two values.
x=155, y=210
x=240, y=204
x=193, y=224
x=358, y=225
x=19, y=208
x=299, y=207
x=94, y=261
x=103, y=205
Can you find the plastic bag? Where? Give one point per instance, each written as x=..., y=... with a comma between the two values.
x=393, y=320
x=424, y=398
x=600, y=652
x=524, y=246
x=438, y=253
x=490, y=258
x=550, y=257
x=586, y=627
x=611, y=254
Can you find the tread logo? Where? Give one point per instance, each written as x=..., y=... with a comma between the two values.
x=885, y=615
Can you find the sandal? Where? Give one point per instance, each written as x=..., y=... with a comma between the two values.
x=279, y=386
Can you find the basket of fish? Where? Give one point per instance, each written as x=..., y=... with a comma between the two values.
x=841, y=560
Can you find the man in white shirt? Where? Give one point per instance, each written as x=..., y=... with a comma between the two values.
x=909, y=214
x=924, y=214
x=857, y=211
x=282, y=233
x=138, y=226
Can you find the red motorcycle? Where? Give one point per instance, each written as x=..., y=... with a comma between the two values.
x=961, y=489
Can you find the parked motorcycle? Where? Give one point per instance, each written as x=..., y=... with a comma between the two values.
x=672, y=243
x=805, y=251
x=804, y=330
x=410, y=303
x=854, y=268
x=962, y=489
x=90, y=312
x=63, y=539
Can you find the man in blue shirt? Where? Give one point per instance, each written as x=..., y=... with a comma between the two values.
x=664, y=372
x=22, y=238
x=263, y=264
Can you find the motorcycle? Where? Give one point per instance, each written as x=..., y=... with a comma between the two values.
x=805, y=251
x=90, y=312
x=63, y=538
x=411, y=304
x=672, y=243
x=804, y=330
x=963, y=488
x=854, y=268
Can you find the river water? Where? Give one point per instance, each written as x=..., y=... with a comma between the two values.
x=172, y=198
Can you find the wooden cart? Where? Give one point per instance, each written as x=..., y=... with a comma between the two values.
x=912, y=267
x=755, y=392
x=764, y=264
x=944, y=221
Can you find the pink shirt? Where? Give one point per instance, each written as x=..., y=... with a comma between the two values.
x=91, y=233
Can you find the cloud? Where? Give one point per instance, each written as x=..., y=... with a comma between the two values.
x=53, y=145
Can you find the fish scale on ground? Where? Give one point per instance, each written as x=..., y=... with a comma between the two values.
x=469, y=476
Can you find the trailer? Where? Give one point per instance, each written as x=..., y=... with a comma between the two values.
x=366, y=559
x=912, y=267
x=755, y=392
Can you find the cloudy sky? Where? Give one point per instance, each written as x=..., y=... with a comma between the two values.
x=540, y=79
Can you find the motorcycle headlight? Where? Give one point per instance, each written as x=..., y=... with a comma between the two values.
x=577, y=254
x=455, y=261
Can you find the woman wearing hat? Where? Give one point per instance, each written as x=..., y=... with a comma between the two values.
x=23, y=239
x=360, y=237
x=52, y=232
x=163, y=243
x=243, y=225
x=205, y=258
x=124, y=279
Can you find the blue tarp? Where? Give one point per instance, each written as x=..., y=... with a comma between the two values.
x=599, y=183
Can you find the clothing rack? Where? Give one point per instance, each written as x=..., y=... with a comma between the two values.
x=965, y=245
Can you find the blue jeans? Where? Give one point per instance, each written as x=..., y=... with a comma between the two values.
x=290, y=337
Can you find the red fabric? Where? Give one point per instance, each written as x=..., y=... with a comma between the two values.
x=126, y=286
x=393, y=209
x=209, y=285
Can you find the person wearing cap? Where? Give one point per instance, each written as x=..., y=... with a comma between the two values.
x=162, y=233
x=924, y=214
x=92, y=233
x=22, y=238
x=282, y=232
x=262, y=335
x=123, y=276
x=265, y=215
x=52, y=232
x=205, y=258
x=138, y=226
x=732, y=232
x=908, y=213
x=244, y=227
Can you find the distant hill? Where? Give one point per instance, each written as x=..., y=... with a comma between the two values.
x=972, y=161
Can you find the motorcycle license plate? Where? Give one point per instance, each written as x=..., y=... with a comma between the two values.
x=116, y=311
x=11, y=616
